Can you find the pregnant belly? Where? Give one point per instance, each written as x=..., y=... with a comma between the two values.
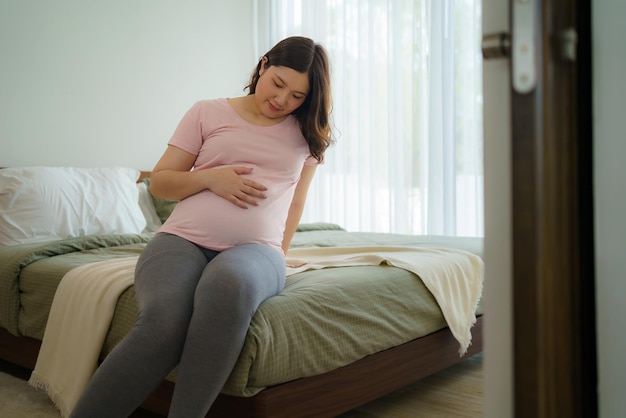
x=213, y=222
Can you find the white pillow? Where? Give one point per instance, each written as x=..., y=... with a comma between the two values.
x=47, y=203
x=147, y=207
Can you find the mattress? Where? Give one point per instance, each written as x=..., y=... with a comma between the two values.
x=322, y=320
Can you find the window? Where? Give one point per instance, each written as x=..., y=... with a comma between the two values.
x=407, y=92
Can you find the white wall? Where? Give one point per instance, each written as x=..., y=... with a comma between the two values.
x=609, y=68
x=99, y=83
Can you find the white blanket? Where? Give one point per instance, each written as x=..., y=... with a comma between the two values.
x=79, y=320
x=85, y=301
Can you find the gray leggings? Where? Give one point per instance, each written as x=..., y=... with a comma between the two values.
x=195, y=307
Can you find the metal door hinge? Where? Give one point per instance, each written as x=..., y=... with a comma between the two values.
x=524, y=60
x=520, y=45
x=496, y=45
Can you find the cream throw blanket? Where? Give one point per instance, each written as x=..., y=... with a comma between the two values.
x=85, y=301
x=79, y=320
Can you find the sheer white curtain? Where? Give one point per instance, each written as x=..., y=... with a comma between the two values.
x=407, y=97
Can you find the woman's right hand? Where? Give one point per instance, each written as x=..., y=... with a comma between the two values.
x=232, y=184
x=172, y=178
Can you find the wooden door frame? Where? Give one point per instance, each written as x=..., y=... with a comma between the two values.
x=553, y=264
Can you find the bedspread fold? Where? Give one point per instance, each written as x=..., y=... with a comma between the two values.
x=13, y=259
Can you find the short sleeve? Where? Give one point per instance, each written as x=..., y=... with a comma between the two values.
x=189, y=134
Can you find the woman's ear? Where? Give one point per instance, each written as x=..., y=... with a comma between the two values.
x=262, y=67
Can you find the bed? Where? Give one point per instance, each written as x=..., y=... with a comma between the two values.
x=334, y=339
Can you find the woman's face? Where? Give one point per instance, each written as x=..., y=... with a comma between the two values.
x=280, y=90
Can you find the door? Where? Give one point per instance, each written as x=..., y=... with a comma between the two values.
x=553, y=274
x=497, y=291
x=541, y=262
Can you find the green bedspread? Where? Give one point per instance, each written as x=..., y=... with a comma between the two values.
x=322, y=320
x=30, y=273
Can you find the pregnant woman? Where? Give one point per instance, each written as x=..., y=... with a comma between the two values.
x=240, y=168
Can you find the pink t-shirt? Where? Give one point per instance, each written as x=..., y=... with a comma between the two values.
x=219, y=137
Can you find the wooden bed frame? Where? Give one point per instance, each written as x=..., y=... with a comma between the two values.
x=325, y=395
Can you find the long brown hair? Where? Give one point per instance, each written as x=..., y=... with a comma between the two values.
x=305, y=56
